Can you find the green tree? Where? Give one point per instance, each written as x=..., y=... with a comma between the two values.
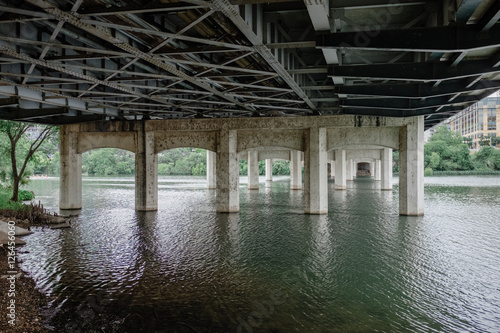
x=446, y=151
x=486, y=158
x=24, y=139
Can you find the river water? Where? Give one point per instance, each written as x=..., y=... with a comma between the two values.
x=270, y=268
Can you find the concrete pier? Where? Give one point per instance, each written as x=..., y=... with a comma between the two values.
x=253, y=170
x=386, y=169
x=320, y=139
x=411, y=167
x=70, y=186
x=228, y=197
x=340, y=170
x=211, y=167
x=295, y=170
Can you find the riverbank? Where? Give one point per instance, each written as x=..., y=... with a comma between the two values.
x=28, y=301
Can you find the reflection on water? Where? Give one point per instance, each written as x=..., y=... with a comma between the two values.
x=270, y=268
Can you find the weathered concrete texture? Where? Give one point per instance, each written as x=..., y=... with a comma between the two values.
x=332, y=168
x=146, y=173
x=177, y=139
x=123, y=140
x=349, y=168
x=386, y=169
x=411, y=168
x=253, y=170
x=70, y=184
x=360, y=136
x=211, y=176
x=315, y=172
x=340, y=170
x=252, y=139
x=295, y=170
x=377, y=166
x=269, y=170
x=228, y=198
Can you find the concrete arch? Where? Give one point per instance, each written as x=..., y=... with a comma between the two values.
x=271, y=139
x=352, y=138
x=170, y=140
x=122, y=140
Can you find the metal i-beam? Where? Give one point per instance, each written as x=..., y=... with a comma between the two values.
x=8, y=102
x=421, y=71
x=26, y=114
x=403, y=104
x=491, y=16
x=428, y=39
x=230, y=12
x=416, y=90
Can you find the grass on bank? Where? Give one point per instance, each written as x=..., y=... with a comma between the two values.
x=16, y=209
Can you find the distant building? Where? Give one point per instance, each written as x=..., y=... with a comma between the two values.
x=479, y=121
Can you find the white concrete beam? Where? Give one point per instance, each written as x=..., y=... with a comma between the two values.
x=315, y=173
x=340, y=170
x=228, y=197
x=70, y=185
x=386, y=166
x=295, y=170
x=211, y=167
x=146, y=172
x=411, y=168
x=253, y=170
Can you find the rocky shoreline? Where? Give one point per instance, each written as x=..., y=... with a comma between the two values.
x=29, y=302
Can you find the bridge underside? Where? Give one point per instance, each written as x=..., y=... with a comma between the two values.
x=70, y=61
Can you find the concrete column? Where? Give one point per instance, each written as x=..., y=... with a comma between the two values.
x=70, y=184
x=349, y=167
x=332, y=168
x=228, y=169
x=295, y=170
x=386, y=169
x=146, y=172
x=377, y=170
x=411, y=167
x=253, y=170
x=315, y=172
x=340, y=170
x=372, y=169
x=269, y=170
x=211, y=178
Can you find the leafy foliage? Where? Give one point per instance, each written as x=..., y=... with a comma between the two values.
x=21, y=141
x=446, y=150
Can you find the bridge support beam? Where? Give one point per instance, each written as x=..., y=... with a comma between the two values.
x=377, y=165
x=211, y=178
x=411, y=164
x=295, y=170
x=386, y=166
x=332, y=168
x=315, y=172
x=228, y=197
x=70, y=185
x=253, y=169
x=340, y=169
x=146, y=172
x=349, y=168
x=269, y=170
